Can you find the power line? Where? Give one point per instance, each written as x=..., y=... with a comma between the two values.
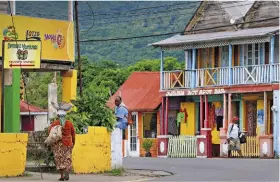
x=172, y=33
x=139, y=9
x=92, y=19
x=143, y=13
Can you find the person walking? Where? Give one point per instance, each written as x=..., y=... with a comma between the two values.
x=233, y=137
x=62, y=149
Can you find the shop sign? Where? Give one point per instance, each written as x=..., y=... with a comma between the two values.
x=22, y=54
x=175, y=93
x=57, y=36
x=206, y=92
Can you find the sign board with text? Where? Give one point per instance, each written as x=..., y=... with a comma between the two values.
x=57, y=36
x=22, y=54
x=196, y=92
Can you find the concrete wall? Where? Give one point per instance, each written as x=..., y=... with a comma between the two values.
x=41, y=122
x=12, y=154
x=92, y=151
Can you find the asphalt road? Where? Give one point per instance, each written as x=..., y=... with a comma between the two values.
x=209, y=169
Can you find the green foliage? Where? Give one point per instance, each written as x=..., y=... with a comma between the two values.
x=100, y=81
x=147, y=144
x=92, y=110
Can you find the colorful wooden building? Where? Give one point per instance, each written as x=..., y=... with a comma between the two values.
x=140, y=93
x=231, y=69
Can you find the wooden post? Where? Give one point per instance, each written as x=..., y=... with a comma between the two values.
x=206, y=124
x=161, y=69
x=265, y=113
x=162, y=117
x=166, y=116
x=186, y=59
x=229, y=109
x=193, y=67
x=201, y=113
x=271, y=56
x=225, y=112
x=230, y=63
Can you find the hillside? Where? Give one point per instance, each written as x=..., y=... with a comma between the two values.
x=119, y=19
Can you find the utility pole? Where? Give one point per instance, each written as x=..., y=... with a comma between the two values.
x=78, y=48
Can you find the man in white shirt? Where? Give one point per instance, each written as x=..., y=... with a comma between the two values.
x=233, y=137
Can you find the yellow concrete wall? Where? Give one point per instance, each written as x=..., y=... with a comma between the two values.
x=92, y=151
x=216, y=134
x=69, y=86
x=188, y=129
x=13, y=149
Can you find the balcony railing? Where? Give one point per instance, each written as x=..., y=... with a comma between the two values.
x=256, y=74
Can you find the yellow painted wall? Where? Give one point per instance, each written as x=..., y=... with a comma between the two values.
x=92, y=151
x=13, y=149
x=69, y=86
x=260, y=105
x=216, y=134
x=0, y=97
x=190, y=128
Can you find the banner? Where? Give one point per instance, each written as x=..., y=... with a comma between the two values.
x=57, y=36
x=22, y=54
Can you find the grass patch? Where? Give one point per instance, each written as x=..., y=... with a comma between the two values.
x=115, y=172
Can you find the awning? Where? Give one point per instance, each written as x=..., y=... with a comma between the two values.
x=245, y=36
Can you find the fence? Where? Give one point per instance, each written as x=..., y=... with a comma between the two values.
x=182, y=146
x=250, y=149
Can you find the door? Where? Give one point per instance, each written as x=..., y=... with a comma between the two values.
x=133, y=141
x=251, y=117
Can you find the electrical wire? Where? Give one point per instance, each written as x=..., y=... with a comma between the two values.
x=171, y=33
x=85, y=32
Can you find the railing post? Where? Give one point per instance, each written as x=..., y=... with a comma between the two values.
x=271, y=56
x=230, y=64
x=161, y=69
x=193, y=67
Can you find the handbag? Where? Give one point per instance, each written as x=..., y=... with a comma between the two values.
x=54, y=136
x=242, y=138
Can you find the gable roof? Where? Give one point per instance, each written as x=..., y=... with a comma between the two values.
x=218, y=14
x=140, y=92
x=24, y=108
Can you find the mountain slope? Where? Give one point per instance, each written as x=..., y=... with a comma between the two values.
x=113, y=19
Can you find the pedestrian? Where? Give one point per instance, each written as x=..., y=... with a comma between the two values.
x=233, y=137
x=62, y=149
x=121, y=114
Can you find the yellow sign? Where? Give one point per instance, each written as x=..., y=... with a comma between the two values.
x=22, y=54
x=57, y=36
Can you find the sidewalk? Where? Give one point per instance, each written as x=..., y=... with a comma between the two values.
x=127, y=176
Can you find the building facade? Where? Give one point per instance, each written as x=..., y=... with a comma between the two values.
x=140, y=94
x=231, y=69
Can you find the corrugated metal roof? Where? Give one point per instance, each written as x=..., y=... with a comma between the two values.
x=140, y=92
x=217, y=36
x=24, y=108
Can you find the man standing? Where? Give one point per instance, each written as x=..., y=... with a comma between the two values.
x=233, y=137
x=121, y=114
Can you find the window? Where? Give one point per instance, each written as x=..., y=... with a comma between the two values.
x=253, y=54
x=150, y=125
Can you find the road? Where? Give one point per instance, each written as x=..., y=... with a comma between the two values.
x=209, y=169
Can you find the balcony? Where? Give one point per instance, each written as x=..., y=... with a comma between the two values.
x=240, y=75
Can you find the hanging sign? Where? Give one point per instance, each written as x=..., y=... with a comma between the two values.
x=196, y=92
x=22, y=54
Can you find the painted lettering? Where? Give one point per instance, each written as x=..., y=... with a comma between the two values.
x=219, y=91
x=175, y=93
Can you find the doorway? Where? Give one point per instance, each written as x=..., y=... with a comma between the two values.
x=251, y=117
x=133, y=141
